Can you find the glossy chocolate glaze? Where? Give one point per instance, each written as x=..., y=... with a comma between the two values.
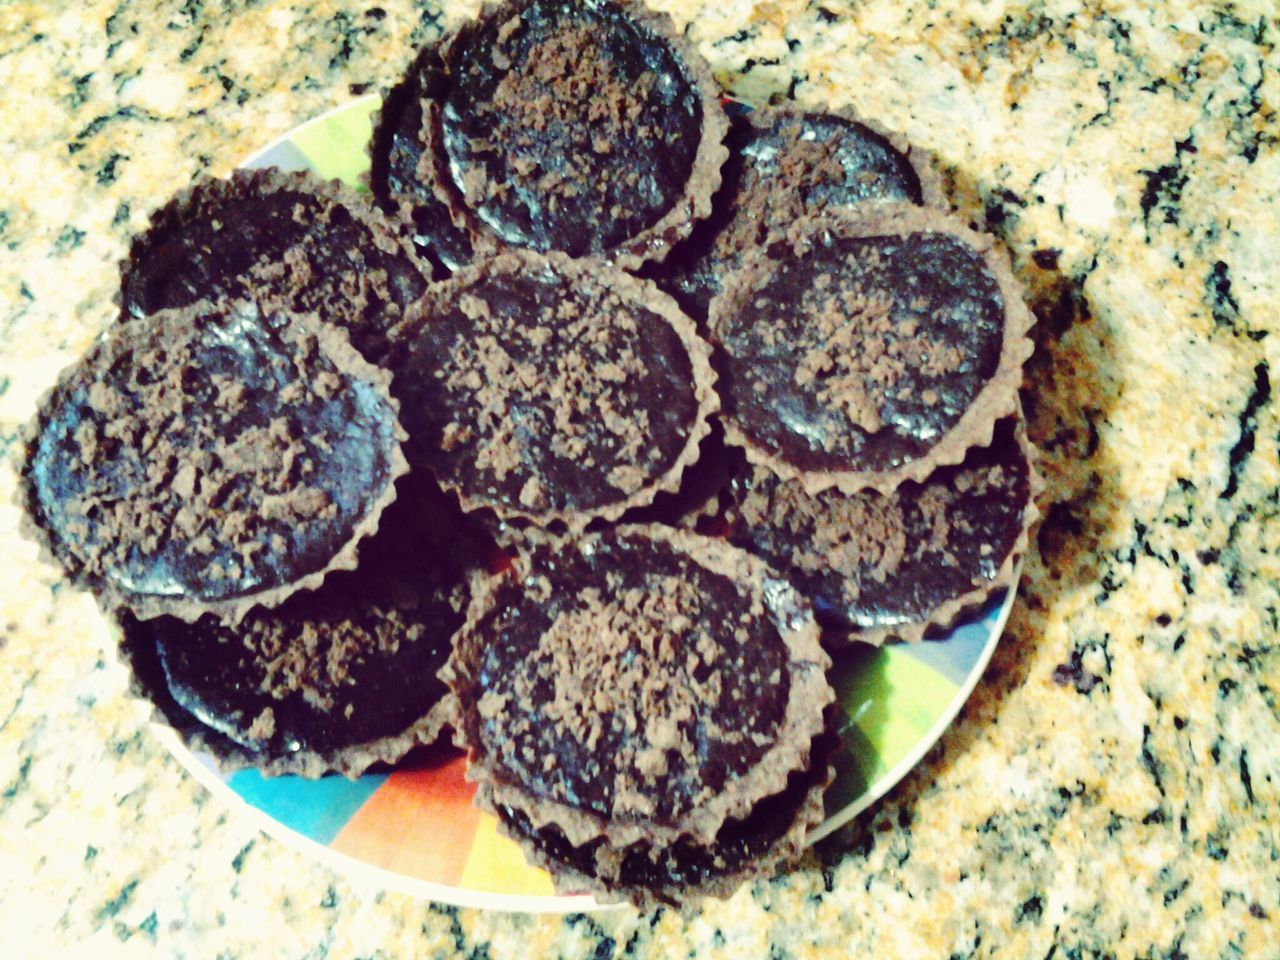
x=656, y=403
x=396, y=153
x=568, y=127
x=749, y=658
x=221, y=396
x=936, y=290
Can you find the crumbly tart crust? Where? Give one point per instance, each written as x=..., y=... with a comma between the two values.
x=622, y=605
x=680, y=874
x=560, y=122
x=211, y=495
x=552, y=390
x=785, y=163
x=863, y=402
x=287, y=239
x=898, y=566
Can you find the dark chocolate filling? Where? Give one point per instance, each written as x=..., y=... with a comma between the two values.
x=210, y=456
x=679, y=709
x=297, y=250
x=568, y=126
x=513, y=394
x=867, y=560
x=862, y=353
x=799, y=164
x=397, y=150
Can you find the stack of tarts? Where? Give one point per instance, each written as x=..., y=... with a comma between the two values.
x=709, y=391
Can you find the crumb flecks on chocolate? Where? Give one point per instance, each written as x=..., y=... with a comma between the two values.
x=639, y=683
x=592, y=129
x=544, y=389
x=784, y=164
x=869, y=347
x=893, y=565
x=211, y=458
x=288, y=240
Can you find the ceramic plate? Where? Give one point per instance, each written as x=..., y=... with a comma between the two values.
x=414, y=828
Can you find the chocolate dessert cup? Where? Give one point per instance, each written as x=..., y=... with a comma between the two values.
x=869, y=348
x=211, y=459
x=552, y=390
x=640, y=685
x=592, y=129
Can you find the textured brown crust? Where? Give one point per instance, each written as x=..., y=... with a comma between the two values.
x=998, y=397
x=336, y=346
x=390, y=234
x=944, y=617
x=146, y=685
x=809, y=695
x=653, y=243
x=644, y=295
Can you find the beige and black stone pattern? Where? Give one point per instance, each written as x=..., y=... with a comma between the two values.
x=1112, y=789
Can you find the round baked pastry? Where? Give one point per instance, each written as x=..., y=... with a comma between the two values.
x=289, y=240
x=869, y=348
x=897, y=564
x=210, y=459
x=785, y=163
x=652, y=874
x=333, y=679
x=592, y=129
x=395, y=152
x=552, y=389
x=641, y=685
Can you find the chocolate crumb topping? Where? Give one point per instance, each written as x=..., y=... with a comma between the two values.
x=545, y=389
x=632, y=680
x=867, y=344
x=211, y=458
x=892, y=563
x=586, y=128
x=784, y=164
x=289, y=241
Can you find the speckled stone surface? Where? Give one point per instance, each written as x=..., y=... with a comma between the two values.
x=1112, y=788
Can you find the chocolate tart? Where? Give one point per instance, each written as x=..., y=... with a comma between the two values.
x=869, y=348
x=650, y=875
x=396, y=150
x=211, y=459
x=289, y=240
x=785, y=163
x=641, y=685
x=333, y=679
x=552, y=389
x=901, y=564
x=593, y=129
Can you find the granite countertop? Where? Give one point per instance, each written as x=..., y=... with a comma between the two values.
x=1112, y=787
